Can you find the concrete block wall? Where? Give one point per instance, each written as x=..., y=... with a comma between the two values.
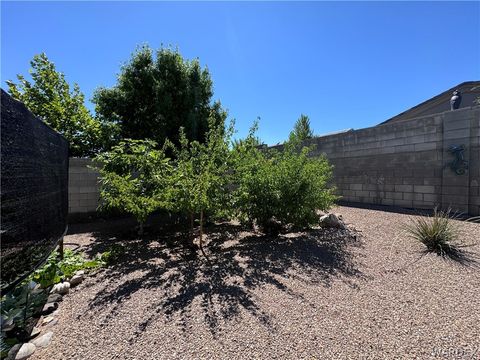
x=405, y=163
x=83, y=188
x=474, y=164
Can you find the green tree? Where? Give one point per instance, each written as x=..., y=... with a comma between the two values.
x=50, y=98
x=201, y=179
x=301, y=129
x=135, y=178
x=155, y=96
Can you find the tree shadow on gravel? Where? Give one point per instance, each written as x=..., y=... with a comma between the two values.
x=240, y=262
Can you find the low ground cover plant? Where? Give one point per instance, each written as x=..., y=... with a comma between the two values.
x=22, y=303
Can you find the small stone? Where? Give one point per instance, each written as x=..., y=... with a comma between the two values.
x=54, y=298
x=331, y=221
x=35, y=332
x=26, y=350
x=43, y=341
x=51, y=323
x=61, y=288
x=80, y=273
x=76, y=280
x=49, y=307
x=47, y=319
x=13, y=351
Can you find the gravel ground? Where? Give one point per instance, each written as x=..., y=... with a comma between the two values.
x=326, y=294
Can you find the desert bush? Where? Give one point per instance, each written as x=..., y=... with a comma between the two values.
x=288, y=185
x=436, y=232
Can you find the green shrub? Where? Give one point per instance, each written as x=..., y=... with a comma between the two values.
x=134, y=177
x=436, y=232
x=288, y=185
x=199, y=182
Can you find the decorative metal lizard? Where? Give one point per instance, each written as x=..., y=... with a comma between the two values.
x=459, y=166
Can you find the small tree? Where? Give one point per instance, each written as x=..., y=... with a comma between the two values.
x=201, y=178
x=135, y=178
x=50, y=98
x=301, y=129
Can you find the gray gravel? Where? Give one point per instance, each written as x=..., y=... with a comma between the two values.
x=326, y=294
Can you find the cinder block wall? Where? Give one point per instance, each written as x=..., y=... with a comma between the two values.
x=405, y=163
x=474, y=170
x=83, y=189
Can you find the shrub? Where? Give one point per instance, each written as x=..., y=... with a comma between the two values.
x=134, y=177
x=437, y=232
x=199, y=182
x=288, y=185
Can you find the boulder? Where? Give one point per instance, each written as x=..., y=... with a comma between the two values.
x=26, y=350
x=43, y=341
x=61, y=288
x=332, y=221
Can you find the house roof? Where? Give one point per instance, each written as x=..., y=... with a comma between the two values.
x=441, y=102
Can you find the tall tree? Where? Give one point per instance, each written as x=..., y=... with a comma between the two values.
x=301, y=130
x=155, y=96
x=50, y=98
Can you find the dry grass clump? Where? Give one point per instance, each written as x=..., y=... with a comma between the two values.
x=437, y=232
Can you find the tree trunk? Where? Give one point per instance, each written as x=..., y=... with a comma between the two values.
x=60, y=249
x=191, y=235
x=140, y=229
x=201, y=237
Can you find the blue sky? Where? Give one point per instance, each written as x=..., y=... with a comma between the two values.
x=344, y=64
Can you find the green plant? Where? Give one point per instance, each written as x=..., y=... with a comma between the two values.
x=436, y=232
x=16, y=308
x=302, y=130
x=49, y=273
x=200, y=181
x=156, y=95
x=287, y=186
x=134, y=177
x=51, y=98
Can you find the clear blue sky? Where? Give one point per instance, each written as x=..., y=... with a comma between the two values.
x=346, y=65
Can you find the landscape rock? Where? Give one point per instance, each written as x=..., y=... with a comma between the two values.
x=76, y=280
x=26, y=350
x=51, y=323
x=35, y=332
x=47, y=319
x=43, y=341
x=49, y=308
x=332, y=221
x=61, y=288
x=272, y=226
x=13, y=351
x=54, y=298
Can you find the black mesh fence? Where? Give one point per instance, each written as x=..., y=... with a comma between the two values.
x=34, y=191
